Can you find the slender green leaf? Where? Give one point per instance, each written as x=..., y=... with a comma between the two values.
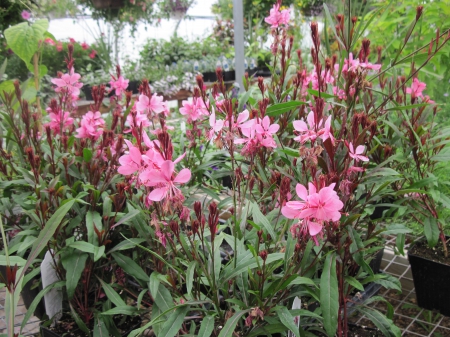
x=172, y=326
x=130, y=266
x=112, y=295
x=190, y=276
x=74, y=265
x=431, y=230
x=260, y=219
x=37, y=300
x=280, y=108
x=287, y=320
x=47, y=233
x=329, y=295
x=100, y=329
x=231, y=323
x=207, y=326
x=122, y=310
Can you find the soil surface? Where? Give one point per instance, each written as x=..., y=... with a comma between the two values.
x=68, y=328
x=435, y=254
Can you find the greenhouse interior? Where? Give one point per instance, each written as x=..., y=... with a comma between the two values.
x=224, y=168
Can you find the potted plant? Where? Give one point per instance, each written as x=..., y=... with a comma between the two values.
x=79, y=167
x=260, y=234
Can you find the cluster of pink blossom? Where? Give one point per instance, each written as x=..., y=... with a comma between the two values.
x=257, y=132
x=59, y=120
x=278, y=17
x=118, y=85
x=154, y=171
x=312, y=130
x=313, y=210
x=91, y=126
x=68, y=83
x=194, y=109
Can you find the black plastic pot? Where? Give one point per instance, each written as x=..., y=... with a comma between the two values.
x=375, y=263
x=45, y=332
x=229, y=76
x=431, y=283
x=209, y=76
x=133, y=86
x=263, y=72
x=29, y=294
x=87, y=89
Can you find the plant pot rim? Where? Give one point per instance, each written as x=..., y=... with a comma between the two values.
x=422, y=239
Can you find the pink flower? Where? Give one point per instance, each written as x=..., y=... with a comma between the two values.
x=216, y=125
x=265, y=130
x=320, y=206
x=49, y=41
x=306, y=132
x=119, y=85
x=194, y=109
x=91, y=126
x=131, y=162
x=165, y=181
x=416, y=88
x=26, y=15
x=326, y=133
x=72, y=40
x=357, y=154
x=69, y=83
x=59, y=47
x=242, y=121
x=59, y=119
x=277, y=17
x=152, y=105
x=93, y=54
x=135, y=119
x=84, y=45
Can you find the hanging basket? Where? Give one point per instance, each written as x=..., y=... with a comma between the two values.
x=177, y=9
x=312, y=8
x=105, y=4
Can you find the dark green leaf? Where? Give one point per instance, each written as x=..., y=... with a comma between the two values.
x=231, y=323
x=431, y=230
x=280, y=108
x=173, y=324
x=287, y=320
x=131, y=267
x=74, y=265
x=329, y=295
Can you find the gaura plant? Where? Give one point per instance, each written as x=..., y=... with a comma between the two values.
x=303, y=154
x=72, y=163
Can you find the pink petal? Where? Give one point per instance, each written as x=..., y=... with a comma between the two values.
x=314, y=228
x=183, y=177
x=266, y=122
x=289, y=212
x=360, y=149
x=243, y=116
x=310, y=119
x=180, y=158
x=298, y=205
x=302, y=192
x=273, y=128
x=259, y=129
x=300, y=126
x=135, y=155
x=158, y=194
x=167, y=169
